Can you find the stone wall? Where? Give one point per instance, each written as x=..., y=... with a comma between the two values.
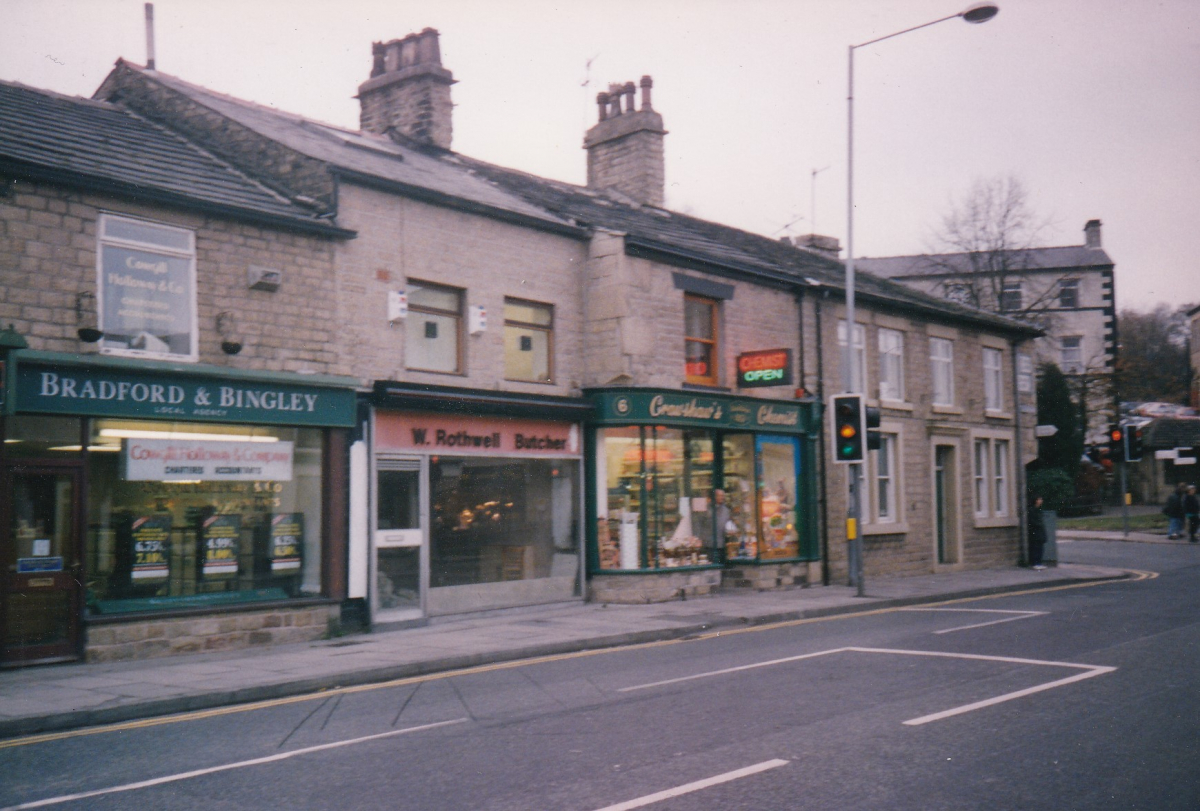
x=152, y=638
x=659, y=587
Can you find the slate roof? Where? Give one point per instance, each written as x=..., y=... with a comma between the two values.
x=1167, y=432
x=54, y=138
x=362, y=153
x=715, y=246
x=955, y=264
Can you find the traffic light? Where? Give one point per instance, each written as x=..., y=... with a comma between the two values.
x=848, y=425
x=1116, y=443
x=874, y=438
x=1133, y=443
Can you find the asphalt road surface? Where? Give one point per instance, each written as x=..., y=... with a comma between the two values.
x=1067, y=698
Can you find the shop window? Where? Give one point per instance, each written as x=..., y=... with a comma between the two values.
x=528, y=341
x=495, y=520
x=147, y=289
x=701, y=347
x=941, y=360
x=859, y=384
x=183, y=515
x=993, y=379
x=433, y=328
x=891, y=364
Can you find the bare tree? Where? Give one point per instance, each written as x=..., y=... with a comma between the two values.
x=986, y=246
x=1153, y=361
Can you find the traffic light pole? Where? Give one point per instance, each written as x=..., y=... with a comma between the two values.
x=1124, y=499
x=855, y=529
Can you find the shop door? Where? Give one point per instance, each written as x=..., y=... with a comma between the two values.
x=39, y=549
x=401, y=521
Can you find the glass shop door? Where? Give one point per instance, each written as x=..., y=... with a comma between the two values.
x=41, y=587
x=401, y=539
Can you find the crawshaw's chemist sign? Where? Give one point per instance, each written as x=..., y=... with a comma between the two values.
x=168, y=460
x=454, y=435
x=669, y=408
x=770, y=367
x=64, y=389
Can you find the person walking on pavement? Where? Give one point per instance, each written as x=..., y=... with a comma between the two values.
x=1037, y=533
x=1191, y=510
x=1174, y=513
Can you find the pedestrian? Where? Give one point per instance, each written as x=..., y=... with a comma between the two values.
x=1037, y=533
x=1191, y=510
x=1174, y=513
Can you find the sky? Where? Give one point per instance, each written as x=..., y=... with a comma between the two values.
x=1093, y=105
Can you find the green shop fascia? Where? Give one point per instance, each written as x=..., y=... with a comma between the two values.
x=135, y=488
x=693, y=480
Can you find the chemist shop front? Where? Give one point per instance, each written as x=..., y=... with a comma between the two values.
x=687, y=490
x=152, y=509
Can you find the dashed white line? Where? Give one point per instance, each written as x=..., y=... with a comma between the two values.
x=687, y=788
x=172, y=778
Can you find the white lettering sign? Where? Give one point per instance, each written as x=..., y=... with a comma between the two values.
x=207, y=460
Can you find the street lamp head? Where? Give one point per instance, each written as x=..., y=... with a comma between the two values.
x=980, y=12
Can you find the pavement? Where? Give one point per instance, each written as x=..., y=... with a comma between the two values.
x=62, y=697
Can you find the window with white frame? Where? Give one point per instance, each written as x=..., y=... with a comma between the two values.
x=1071, y=354
x=1000, y=477
x=146, y=289
x=859, y=384
x=1068, y=293
x=993, y=379
x=1024, y=374
x=941, y=360
x=1011, y=298
x=991, y=477
x=891, y=364
x=884, y=466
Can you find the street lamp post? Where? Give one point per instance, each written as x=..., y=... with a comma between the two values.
x=977, y=13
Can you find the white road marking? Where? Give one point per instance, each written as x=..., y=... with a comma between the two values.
x=1020, y=615
x=172, y=778
x=649, y=799
x=1089, y=672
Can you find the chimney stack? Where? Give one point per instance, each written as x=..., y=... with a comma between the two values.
x=1091, y=234
x=625, y=148
x=409, y=91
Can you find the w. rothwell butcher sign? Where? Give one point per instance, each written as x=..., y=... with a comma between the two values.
x=166, y=395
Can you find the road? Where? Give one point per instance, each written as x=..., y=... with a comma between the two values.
x=1068, y=698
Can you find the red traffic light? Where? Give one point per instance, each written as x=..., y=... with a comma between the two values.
x=1115, y=435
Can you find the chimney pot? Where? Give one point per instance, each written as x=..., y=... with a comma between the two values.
x=602, y=103
x=629, y=91
x=646, y=83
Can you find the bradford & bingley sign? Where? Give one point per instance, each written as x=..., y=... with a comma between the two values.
x=47, y=388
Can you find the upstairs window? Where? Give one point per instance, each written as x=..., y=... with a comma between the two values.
x=1011, y=299
x=1068, y=294
x=993, y=379
x=1071, y=354
x=941, y=361
x=146, y=289
x=433, y=328
x=859, y=384
x=891, y=364
x=528, y=340
x=700, y=343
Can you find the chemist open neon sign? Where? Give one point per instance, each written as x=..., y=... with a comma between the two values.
x=766, y=367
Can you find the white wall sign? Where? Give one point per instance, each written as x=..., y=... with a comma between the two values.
x=170, y=460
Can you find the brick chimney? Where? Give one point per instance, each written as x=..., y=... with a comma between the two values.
x=409, y=90
x=1091, y=234
x=625, y=148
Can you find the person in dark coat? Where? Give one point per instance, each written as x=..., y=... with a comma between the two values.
x=1037, y=533
x=1191, y=510
x=1174, y=513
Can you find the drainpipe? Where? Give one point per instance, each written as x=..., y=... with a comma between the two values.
x=824, y=515
x=1022, y=496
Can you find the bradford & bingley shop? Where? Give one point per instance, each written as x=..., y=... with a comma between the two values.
x=686, y=485
x=152, y=508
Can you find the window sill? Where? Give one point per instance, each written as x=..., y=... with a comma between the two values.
x=885, y=529
x=706, y=387
x=993, y=522
x=895, y=405
x=992, y=414
x=528, y=380
x=946, y=409
x=435, y=372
